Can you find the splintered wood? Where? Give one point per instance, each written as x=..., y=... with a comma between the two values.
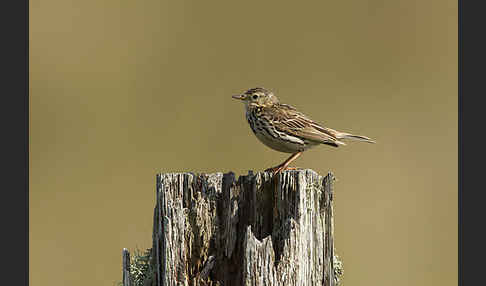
x=211, y=229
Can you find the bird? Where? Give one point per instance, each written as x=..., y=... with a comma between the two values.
x=283, y=128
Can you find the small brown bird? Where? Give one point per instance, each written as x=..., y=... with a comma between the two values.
x=284, y=129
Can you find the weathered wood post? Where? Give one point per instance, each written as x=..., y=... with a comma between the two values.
x=211, y=229
x=126, y=267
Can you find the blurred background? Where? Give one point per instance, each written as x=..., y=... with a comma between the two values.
x=123, y=90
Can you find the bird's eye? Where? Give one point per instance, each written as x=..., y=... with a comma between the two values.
x=255, y=96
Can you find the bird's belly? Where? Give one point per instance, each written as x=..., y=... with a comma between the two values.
x=286, y=145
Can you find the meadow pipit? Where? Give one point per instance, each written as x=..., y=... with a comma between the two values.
x=283, y=128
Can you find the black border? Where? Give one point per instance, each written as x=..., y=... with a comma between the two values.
x=14, y=114
x=471, y=205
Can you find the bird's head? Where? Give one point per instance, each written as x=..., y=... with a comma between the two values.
x=257, y=96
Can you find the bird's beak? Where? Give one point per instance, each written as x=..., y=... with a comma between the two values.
x=239, y=96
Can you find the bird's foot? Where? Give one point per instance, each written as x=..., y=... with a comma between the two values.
x=284, y=165
x=278, y=169
x=293, y=168
x=274, y=170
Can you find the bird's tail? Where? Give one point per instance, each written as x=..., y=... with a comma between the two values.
x=342, y=135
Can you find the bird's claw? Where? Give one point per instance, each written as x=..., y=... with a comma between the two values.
x=293, y=168
x=278, y=169
x=274, y=170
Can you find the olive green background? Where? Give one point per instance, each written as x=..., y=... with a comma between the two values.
x=122, y=90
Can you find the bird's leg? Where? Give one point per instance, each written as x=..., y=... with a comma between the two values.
x=285, y=164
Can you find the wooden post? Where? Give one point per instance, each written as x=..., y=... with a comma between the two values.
x=126, y=267
x=211, y=229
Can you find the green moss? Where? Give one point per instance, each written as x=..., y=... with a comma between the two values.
x=338, y=270
x=142, y=270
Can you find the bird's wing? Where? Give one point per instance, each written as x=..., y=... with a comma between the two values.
x=287, y=119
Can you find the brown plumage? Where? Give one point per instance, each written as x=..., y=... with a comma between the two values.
x=283, y=128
